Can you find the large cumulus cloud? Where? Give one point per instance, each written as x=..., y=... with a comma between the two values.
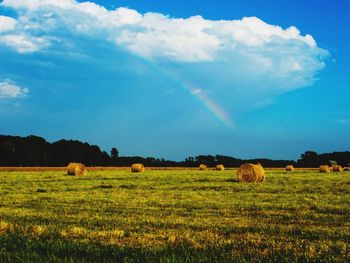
x=229, y=60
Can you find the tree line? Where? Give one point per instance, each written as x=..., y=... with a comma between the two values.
x=36, y=151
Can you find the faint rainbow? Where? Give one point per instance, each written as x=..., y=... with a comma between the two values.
x=210, y=104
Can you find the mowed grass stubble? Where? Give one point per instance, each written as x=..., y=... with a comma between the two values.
x=174, y=216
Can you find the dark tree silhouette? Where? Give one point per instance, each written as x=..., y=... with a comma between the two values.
x=114, y=153
x=309, y=159
x=36, y=151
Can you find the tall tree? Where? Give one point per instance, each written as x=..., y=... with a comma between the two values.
x=309, y=159
x=114, y=153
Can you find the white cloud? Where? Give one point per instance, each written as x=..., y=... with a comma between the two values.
x=154, y=35
x=196, y=91
x=24, y=43
x=9, y=90
x=233, y=58
x=35, y=4
x=7, y=23
x=198, y=39
x=252, y=31
x=109, y=19
x=158, y=36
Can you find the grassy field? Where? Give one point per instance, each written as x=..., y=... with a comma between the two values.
x=174, y=216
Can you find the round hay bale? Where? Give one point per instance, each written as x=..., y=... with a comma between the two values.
x=77, y=169
x=337, y=168
x=324, y=169
x=202, y=167
x=137, y=168
x=249, y=172
x=71, y=168
x=289, y=168
x=220, y=167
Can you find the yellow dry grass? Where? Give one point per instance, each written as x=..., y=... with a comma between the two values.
x=324, y=169
x=337, y=168
x=77, y=169
x=220, y=167
x=202, y=167
x=137, y=168
x=249, y=172
x=290, y=168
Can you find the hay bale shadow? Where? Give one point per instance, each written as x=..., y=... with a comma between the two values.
x=128, y=186
x=103, y=186
x=232, y=180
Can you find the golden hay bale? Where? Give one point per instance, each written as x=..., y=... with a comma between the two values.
x=249, y=172
x=71, y=168
x=290, y=168
x=137, y=168
x=324, y=169
x=202, y=167
x=77, y=169
x=220, y=167
x=337, y=168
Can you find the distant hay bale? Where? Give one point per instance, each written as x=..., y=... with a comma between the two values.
x=346, y=168
x=220, y=167
x=324, y=169
x=137, y=168
x=202, y=167
x=249, y=172
x=290, y=168
x=77, y=169
x=337, y=168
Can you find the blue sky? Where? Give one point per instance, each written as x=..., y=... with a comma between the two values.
x=178, y=78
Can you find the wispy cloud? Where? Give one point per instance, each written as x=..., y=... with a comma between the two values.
x=7, y=23
x=9, y=90
x=24, y=43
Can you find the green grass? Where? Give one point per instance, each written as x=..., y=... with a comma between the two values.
x=174, y=216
